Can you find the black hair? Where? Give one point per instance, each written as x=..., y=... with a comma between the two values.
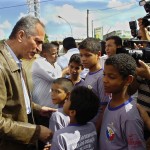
x=55, y=43
x=102, y=47
x=69, y=43
x=75, y=58
x=27, y=24
x=90, y=44
x=85, y=103
x=46, y=47
x=66, y=84
x=117, y=40
x=124, y=63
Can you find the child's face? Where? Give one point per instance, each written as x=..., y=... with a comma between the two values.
x=58, y=95
x=88, y=59
x=52, y=55
x=74, y=69
x=113, y=81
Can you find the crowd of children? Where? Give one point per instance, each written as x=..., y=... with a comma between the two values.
x=96, y=113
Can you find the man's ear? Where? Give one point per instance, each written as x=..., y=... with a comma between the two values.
x=20, y=35
x=44, y=54
x=129, y=80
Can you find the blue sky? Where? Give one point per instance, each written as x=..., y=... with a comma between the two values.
x=109, y=14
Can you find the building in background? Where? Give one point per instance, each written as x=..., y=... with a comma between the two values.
x=98, y=33
x=121, y=33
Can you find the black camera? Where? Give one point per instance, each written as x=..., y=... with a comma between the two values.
x=146, y=19
x=142, y=54
x=133, y=27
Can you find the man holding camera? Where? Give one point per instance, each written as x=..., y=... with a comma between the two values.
x=144, y=81
x=145, y=34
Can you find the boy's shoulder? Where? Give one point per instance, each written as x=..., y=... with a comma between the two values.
x=127, y=110
x=58, y=113
x=95, y=75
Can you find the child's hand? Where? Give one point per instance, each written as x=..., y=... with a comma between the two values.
x=65, y=71
x=47, y=147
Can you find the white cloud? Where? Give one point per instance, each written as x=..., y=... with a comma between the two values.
x=22, y=15
x=83, y=1
x=2, y=33
x=120, y=5
x=68, y=12
x=121, y=26
x=5, y=25
x=77, y=19
x=74, y=14
x=25, y=14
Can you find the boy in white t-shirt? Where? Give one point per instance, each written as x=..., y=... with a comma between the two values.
x=60, y=91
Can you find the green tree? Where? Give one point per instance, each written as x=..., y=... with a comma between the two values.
x=46, y=39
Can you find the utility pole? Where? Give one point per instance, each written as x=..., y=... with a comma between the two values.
x=87, y=23
x=92, y=28
x=34, y=7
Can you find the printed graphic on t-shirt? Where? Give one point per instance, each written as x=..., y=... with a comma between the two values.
x=134, y=141
x=110, y=132
x=90, y=87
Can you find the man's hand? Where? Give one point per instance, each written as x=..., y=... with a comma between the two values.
x=139, y=46
x=145, y=35
x=45, y=134
x=47, y=147
x=143, y=70
x=46, y=111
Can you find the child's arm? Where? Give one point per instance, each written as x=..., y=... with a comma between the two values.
x=53, y=122
x=99, y=120
x=57, y=122
x=144, y=116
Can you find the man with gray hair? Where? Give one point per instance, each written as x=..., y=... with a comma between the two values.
x=17, y=128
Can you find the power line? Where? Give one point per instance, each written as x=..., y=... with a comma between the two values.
x=111, y=7
x=118, y=13
x=7, y=7
x=113, y=15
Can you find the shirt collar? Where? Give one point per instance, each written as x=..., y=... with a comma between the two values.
x=18, y=61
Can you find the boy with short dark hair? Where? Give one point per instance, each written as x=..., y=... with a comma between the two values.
x=122, y=126
x=90, y=55
x=81, y=107
x=75, y=68
x=60, y=91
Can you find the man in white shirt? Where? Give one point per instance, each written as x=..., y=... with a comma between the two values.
x=44, y=70
x=70, y=48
